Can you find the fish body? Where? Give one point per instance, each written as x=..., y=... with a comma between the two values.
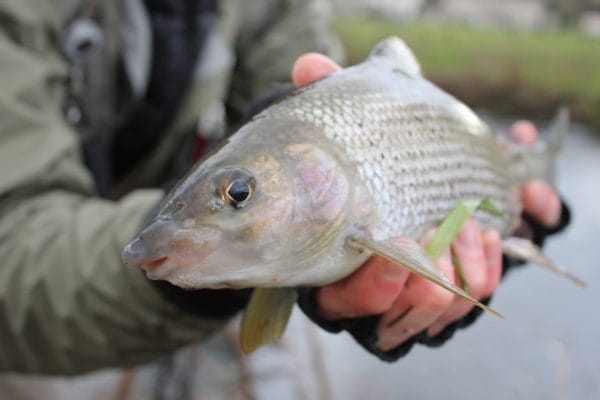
x=374, y=150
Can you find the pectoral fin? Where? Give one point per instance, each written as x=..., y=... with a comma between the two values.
x=266, y=316
x=410, y=255
x=525, y=250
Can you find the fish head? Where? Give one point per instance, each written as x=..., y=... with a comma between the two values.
x=250, y=215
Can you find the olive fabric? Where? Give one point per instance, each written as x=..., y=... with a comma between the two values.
x=67, y=304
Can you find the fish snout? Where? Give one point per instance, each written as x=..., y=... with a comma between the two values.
x=135, y=253
x=157, y=266
x=163, y=248
x=150, y=247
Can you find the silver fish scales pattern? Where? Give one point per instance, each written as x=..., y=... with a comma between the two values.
x=417, y=149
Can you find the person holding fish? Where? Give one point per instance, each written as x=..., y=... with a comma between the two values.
x=80, y=148
x=389, y=291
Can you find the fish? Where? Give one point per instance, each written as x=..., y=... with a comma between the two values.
x=306, y=191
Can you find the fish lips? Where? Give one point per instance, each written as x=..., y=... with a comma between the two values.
x=163, y=250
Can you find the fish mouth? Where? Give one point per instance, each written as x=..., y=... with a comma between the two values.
x=153, y=264
x=164, y=256
x=159, y=268
x=166, y=267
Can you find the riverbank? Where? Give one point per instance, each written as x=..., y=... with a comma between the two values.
x=527, y=74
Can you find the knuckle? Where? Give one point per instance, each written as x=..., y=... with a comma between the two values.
x=439, y=298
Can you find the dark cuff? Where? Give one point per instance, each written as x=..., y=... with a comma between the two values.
x=208, y=303
x=538, y=233
x=364, y=330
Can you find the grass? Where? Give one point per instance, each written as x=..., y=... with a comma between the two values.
x=516, y=73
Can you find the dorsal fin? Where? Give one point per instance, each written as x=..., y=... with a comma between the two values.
x=399, y=54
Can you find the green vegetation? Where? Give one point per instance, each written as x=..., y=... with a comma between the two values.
x=522, y=74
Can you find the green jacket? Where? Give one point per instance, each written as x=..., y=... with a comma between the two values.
x=67, y=304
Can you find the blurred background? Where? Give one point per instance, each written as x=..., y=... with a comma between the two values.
x=508, y=59
x=513, y=57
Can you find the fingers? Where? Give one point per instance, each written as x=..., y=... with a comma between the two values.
x=541, y=202
x=524, y=132
x=538, y=198
x=310, y=67
x=418, y=305
x=468, y=248
x=409, y=304
x=492, y=246
x=370, y=290
x=480, y=257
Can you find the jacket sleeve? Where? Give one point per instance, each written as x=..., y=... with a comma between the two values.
x=67, y=304
x=273, y=33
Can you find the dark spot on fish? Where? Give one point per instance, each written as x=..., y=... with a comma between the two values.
x=401, y=72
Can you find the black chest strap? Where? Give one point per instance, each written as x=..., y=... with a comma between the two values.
x=179, y=32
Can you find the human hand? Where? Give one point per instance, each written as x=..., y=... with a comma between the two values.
x=407, y=303
x=538, y=198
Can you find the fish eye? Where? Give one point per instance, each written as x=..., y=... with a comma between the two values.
x=235, y=186
x=238, y=192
